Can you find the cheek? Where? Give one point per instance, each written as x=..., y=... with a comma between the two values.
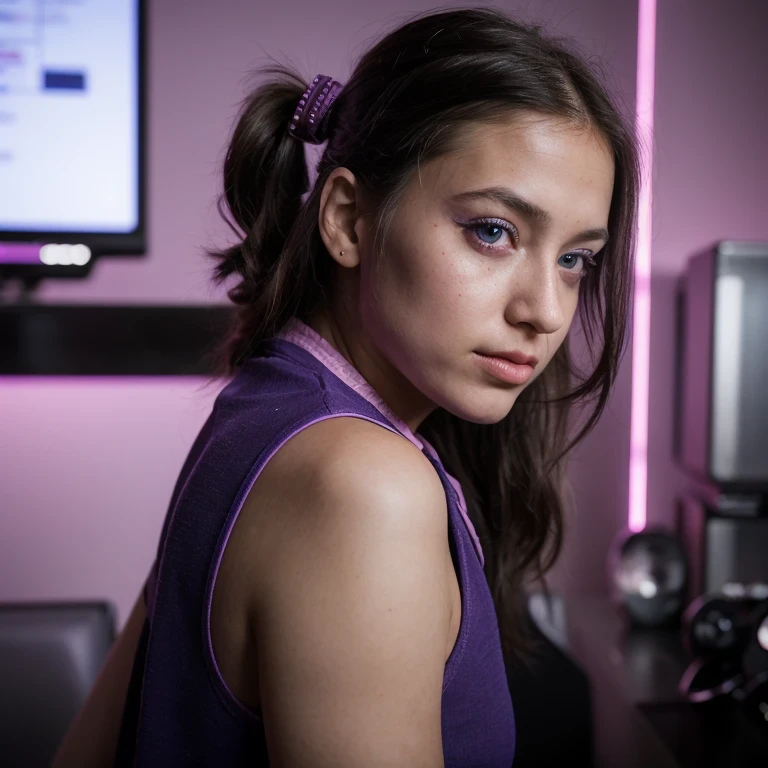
x=446, y=282
x=416, y=309
x=571, y=309
x=414, y=281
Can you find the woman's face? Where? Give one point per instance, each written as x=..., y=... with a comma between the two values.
x=465, y=275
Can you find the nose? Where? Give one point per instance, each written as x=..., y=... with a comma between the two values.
x=536, y=296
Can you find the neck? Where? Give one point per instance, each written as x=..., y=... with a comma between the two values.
x=344, y=333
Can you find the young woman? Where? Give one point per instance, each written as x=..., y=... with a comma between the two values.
x=339, y=576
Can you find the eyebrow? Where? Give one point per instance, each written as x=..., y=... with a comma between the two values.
x=526, y=208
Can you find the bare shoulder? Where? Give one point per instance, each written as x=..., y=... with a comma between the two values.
x=352, y=607
x=337, y=450
x=339, y=472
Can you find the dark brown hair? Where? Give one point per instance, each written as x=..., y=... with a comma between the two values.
x=410, y=99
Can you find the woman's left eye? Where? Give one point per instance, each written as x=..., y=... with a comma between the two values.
x=576, y=257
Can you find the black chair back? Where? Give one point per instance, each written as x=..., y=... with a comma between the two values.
x=50, y=655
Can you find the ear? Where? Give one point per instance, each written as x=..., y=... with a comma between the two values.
x=340, y=217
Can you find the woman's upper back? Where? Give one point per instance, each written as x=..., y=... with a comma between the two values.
x=180, y=710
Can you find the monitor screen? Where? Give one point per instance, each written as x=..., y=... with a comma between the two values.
x=70, y=122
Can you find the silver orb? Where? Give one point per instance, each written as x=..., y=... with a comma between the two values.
x=648, y=573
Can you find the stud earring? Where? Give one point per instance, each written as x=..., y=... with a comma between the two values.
x=341, y=253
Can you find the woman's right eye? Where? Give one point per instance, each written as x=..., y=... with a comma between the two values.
x=493, y=230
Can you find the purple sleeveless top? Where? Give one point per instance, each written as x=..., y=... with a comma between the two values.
x=179, y=710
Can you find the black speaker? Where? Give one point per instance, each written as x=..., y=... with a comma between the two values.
x=725, y=542
x=721, y=430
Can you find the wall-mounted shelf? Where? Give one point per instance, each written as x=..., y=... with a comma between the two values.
x=111, y=340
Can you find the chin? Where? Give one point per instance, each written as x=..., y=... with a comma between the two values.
x=482, y=407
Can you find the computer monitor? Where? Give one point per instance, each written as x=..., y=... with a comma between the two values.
x=72, y=134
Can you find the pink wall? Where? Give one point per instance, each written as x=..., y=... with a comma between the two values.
x=710, y=175
x=88, y=465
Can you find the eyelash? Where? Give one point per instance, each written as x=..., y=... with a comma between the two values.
x=586, y=255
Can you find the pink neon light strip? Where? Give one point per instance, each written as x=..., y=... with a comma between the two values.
x=641, y=323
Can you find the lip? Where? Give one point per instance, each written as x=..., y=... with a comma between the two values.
x=504, y=369
x=514, y=357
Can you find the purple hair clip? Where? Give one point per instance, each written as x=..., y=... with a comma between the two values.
x=310, y=120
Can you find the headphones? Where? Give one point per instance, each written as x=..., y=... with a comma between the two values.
x=727, y=634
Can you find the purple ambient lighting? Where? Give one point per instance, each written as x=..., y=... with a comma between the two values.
x=20, y=253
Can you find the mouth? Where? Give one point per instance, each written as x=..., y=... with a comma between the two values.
x=505, y=369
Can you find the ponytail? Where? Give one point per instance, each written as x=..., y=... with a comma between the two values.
x=265, y=177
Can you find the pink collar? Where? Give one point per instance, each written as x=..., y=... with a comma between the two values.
x=300, y=334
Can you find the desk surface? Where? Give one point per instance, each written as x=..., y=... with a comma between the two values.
x=641, y=719
x=622, y=675
x=646, y=664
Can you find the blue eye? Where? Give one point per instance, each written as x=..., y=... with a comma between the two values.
x=493, y=230
x=485, y=229
x=573, y=257
x=584, y=258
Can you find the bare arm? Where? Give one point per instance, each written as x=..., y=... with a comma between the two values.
x=352, y=611
x=91, y=741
